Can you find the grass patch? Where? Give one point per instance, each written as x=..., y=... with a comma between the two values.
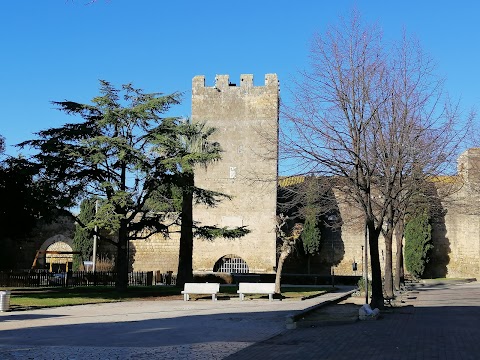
x=28, y=298
x=288, y=292
x=51, y=297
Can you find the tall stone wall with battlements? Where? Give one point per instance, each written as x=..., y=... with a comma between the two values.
x=246, y=119
x=455, y=228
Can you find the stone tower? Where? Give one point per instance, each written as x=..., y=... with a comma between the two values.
x=246, y=119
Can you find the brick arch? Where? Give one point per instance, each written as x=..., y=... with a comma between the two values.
x=56, y=238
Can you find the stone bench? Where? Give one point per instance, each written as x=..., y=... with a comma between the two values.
x=200, y=289
x=256, y=288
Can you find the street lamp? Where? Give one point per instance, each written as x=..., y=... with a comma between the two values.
x=333, y=218
x=94, y=255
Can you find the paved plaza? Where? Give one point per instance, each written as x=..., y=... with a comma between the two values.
x=171, y=329
x=435, y=321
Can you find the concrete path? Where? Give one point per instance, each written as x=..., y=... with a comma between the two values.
x=175, y=329
x=436, y=321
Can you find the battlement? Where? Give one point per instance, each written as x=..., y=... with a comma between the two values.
x=468, y=165
x=222, y=83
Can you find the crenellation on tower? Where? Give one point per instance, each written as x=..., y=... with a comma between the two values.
x=222, y=82
x=468, y=166
x=198, y=82
x=246, y=81
x=271, y=80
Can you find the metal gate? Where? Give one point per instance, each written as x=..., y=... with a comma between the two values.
x=231, y=264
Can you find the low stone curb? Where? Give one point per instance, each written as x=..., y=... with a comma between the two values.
x=291, y=319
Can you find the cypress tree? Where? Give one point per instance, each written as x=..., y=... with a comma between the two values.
x=418, y=243
x=310, y=235
x=82, y=240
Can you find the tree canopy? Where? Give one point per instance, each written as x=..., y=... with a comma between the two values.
x=23, y=205
x=139, y=162
x=108, y=154
x=375, y=118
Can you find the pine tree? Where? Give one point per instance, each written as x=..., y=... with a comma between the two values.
x=108, y=155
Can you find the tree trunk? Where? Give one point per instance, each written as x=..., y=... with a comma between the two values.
x=185, y=256
x=122, y=250
x=377, y=292
x=389, y=264
x=121, y=282
x=399, y=272
x=278, y=277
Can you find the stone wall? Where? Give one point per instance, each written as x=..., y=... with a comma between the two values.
x=246, y=119
x=455, y=227
x=159, y=252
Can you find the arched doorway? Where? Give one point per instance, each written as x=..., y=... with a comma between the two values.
x=59, y=257
x=53, y=254
x=232, y=264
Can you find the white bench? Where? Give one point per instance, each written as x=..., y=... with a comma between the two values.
x=200, y=289
x=256, y=288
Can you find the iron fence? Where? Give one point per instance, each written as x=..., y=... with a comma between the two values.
x=40, y=278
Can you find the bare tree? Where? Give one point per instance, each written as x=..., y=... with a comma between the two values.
x=286, y=243
x=374, y=119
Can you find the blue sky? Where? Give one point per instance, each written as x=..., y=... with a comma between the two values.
x=59, y=49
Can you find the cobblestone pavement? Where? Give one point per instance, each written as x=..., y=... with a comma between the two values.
x=435, y=321
x=175, y=329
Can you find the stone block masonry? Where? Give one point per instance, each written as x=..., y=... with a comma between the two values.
x=246, y=119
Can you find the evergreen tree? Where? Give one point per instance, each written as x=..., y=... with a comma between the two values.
x=187, y=147
x=24, y=201
x=418, y=243
x=83, y=237
x=313, y=195
x=139, y=163
x=108, y=155
x=311, y=234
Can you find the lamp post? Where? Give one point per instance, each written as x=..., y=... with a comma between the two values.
x=333, y=218
x=94, y=255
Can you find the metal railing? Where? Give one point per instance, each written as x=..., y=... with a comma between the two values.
x=41, y=278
